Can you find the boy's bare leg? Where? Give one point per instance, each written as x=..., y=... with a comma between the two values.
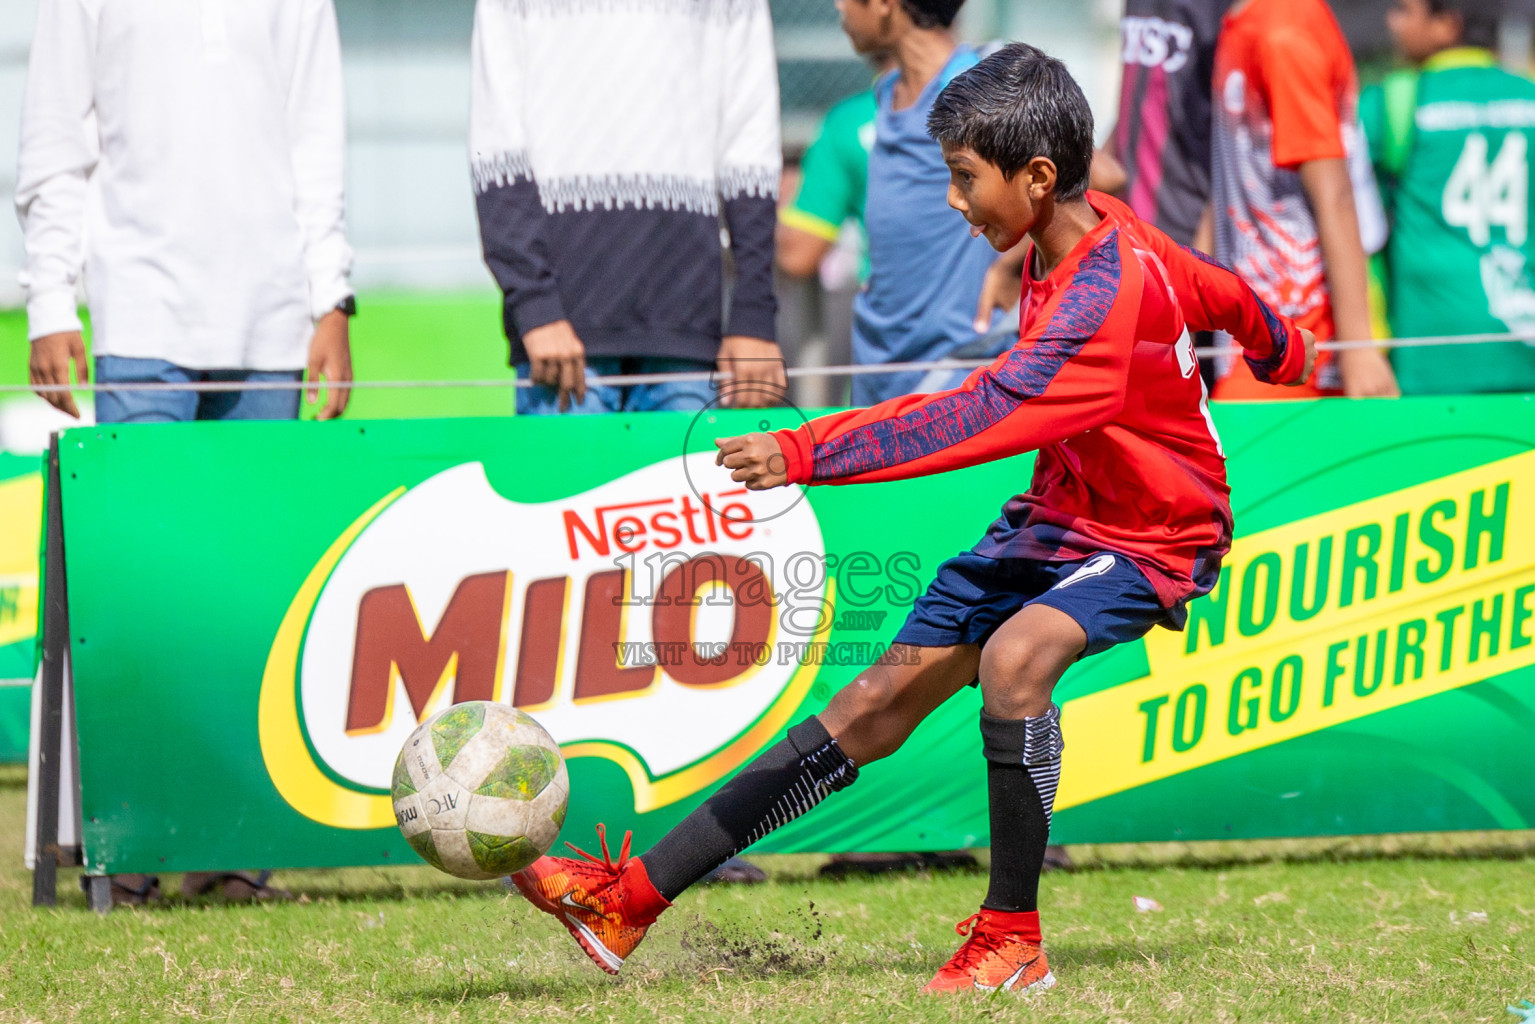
x=1025, y=658
x=1021, y=736
x=1020, y=729
x=874, y=714
x=868, y=719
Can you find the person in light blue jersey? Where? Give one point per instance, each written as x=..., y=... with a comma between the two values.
x=926, y=271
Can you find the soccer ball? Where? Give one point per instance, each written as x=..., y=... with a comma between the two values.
x=480, y=790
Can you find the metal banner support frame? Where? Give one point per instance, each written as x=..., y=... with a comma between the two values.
x=53, y=789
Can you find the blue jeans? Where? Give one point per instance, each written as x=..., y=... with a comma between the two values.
x=684, y=396
x=181, y=406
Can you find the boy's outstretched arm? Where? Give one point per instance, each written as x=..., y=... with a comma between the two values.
x=1068, y=375
x=1213, y=297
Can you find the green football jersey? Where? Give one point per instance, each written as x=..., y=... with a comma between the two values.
x=1457, y=182
x=835, y=173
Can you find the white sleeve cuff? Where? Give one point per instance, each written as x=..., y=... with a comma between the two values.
x=329, y=287
x=52, y=312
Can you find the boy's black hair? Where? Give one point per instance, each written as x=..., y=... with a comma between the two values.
x=932, y=13
x=1478, y=19
x=1017, y=104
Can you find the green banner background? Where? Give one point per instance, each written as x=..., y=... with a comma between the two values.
x=186, y=545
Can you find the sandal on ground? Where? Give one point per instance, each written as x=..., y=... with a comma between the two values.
x=1057, y=859
x=736, y=871
x=235, y=886
x=129, y=890
x=845, y=865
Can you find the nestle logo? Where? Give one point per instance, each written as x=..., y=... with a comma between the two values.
x=662, y=523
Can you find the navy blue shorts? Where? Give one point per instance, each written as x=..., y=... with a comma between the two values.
x=972, y=596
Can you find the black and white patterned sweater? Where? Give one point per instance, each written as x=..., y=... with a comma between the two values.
x=610, y=141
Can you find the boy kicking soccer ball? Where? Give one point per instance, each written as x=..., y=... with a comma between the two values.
x=1126, y=519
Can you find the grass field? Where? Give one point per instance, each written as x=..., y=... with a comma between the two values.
x=1347, y=930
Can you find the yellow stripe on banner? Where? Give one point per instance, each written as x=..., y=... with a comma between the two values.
x=1425, y=590
x=21, y=517
x=289, y=764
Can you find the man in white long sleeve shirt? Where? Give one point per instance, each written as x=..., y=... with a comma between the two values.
x=187, y=157
x=608, y=142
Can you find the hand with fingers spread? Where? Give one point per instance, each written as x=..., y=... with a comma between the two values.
x=751, y=373
x=330, y=360
x=49, y=365
x=754, y=460
x=558, y=360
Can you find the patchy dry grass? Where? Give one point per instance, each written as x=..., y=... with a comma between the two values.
x=1326, y=930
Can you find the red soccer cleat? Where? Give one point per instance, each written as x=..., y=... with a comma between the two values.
x=606, y=906
x=1001, y=951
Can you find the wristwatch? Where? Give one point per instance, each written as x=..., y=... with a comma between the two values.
x=348, y=306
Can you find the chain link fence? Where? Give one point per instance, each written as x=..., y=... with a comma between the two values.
x=816, y=66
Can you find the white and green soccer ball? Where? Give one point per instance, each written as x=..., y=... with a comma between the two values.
x=480, y=790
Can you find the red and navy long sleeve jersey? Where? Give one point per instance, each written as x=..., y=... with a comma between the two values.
x=1103, y=382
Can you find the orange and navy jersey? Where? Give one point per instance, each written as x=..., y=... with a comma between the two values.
x=1285, y=94
x=1104, y=384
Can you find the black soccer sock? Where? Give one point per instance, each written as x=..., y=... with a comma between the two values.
x=785, y=781
x=1023, y=768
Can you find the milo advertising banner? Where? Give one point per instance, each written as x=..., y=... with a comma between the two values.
x=260, y=614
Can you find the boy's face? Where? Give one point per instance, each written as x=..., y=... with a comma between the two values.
x=1001, y=209
x=868, y=24
x=1419, y=32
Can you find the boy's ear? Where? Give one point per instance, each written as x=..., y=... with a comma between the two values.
x=1039, y=176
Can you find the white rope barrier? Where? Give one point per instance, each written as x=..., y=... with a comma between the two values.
x=635, y=379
